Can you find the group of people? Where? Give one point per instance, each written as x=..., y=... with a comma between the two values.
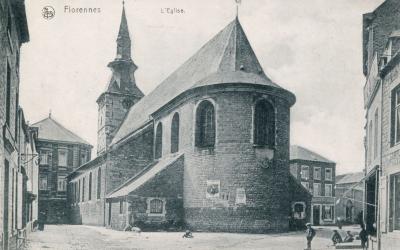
x=337, y=238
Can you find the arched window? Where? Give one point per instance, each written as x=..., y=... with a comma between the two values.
x=264, y=124
x=90, y=186
x=158, y=149
x=175, y=133
x=156, y=206
x=98, y=183
x=205, y=125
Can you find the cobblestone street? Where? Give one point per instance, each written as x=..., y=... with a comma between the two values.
x=88, y=237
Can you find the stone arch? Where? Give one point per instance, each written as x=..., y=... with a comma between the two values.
x=205, y=125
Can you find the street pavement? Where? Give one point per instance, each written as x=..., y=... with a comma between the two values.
x=90, y=237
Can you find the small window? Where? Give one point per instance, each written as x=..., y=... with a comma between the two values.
x=158, y=143
x=305, y=174
x=317, y=173
x=62, y=157
x=98, y=183
x=205, y=125
x=328, y=174
x=61, y=184
x=90, y=186
x=156, y=206
x=317, y=189
x=299, y=210
x=328, y=190
x=44, y=157
x=43, y=183
x=175, y=133
x=264, y=124
x=83, y=189
x=121, y=207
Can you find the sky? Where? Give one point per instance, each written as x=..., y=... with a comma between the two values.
x=311, y=47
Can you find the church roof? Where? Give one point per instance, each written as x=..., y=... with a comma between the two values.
x=144, y=176
x=300, y=153
x=226, y=58
x=51, y=130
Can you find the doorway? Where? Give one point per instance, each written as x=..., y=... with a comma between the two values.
x=109, y=213
x=316, y=215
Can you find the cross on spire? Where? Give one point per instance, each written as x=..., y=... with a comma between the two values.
x=238, y=2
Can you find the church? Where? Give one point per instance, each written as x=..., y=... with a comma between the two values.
x=207, y=149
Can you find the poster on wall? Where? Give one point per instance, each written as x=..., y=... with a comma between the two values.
x=213, y=189
x=240, y=196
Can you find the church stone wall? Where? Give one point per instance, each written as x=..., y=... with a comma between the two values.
x=235, y=163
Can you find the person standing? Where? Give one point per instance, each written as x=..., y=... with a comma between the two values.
x=310, y=234
x=363, y=237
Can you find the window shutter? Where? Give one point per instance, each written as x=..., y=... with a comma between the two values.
x=70, y=159
x=383, y=203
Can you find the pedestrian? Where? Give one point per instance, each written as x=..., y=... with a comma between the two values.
x=42, y=219
x=336, y=238
x=188, y=234
x=363, y=237
x=310, y=233
x=349, y=237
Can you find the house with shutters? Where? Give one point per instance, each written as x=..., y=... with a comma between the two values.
x=207, y=149
x=60, y=152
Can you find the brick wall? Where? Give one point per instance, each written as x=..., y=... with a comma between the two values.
x=235, y=162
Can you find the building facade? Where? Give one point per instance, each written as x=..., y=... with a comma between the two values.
x=13, y=33
x=208, y=149
x=317, y=175
x=349, y=193
x=381, y=43
x=60, y=152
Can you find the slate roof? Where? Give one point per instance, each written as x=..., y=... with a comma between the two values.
x=300, y=153
x=226, y=58
x=350, y=178
x=51, y=130
x=141, y=178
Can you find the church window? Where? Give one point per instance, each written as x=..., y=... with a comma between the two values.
x=264, y=124
x=156, y=206
x=175, y=133
x=121, y=207
x=83, y=189
x=90, y=186
x=98, y=183
x=205, y=125
x=158, y=148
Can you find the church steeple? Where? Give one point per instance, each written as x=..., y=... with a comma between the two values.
x=123, y=40
x=121, y=91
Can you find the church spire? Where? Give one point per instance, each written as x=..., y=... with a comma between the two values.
x=123, y=40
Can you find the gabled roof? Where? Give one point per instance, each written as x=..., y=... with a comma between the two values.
x=51, y=130
x=226, y=58
x=300, y=153
x=350, y=178
x=144, y=176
